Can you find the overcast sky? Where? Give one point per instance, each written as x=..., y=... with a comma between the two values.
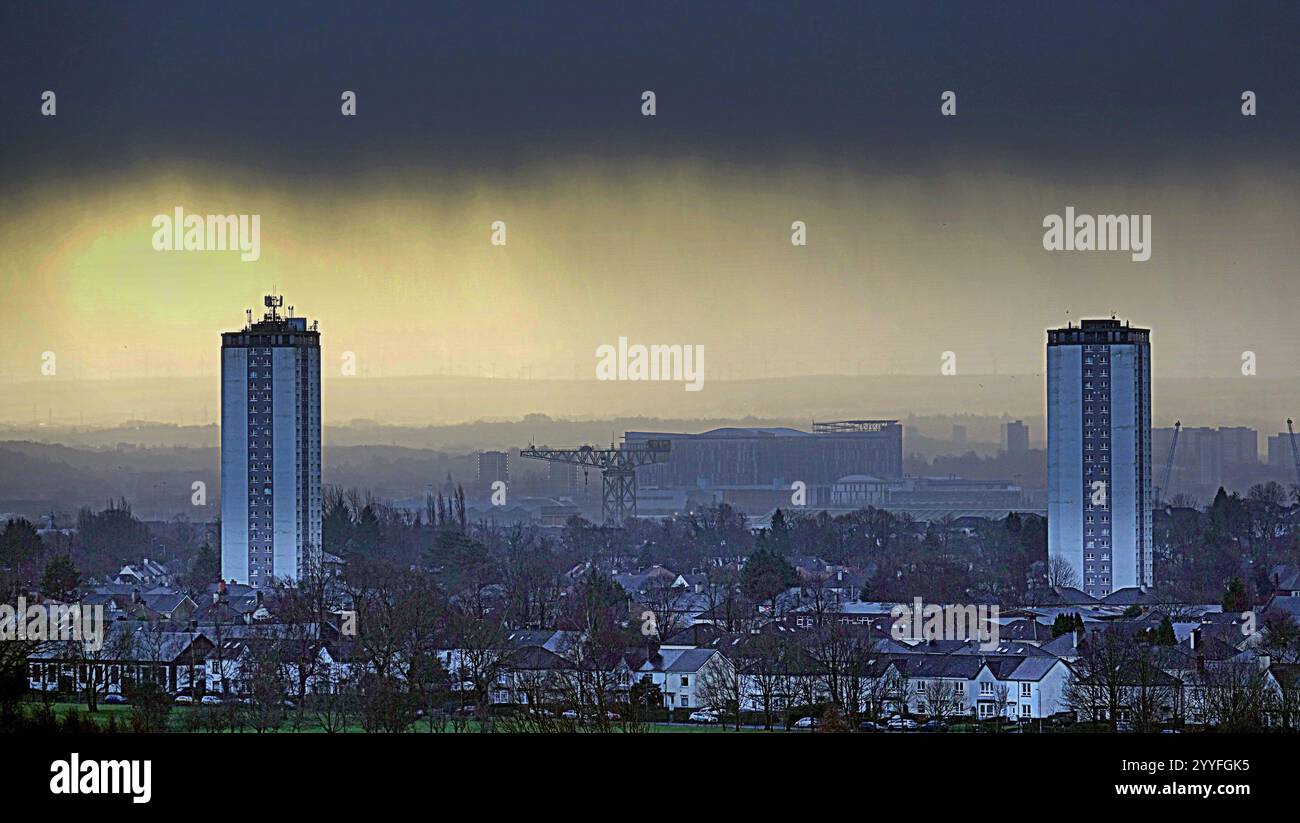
x=924, y=231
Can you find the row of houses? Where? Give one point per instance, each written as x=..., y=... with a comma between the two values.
x=210, y=641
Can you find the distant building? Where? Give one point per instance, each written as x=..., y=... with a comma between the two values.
x=562, y=479
x=856, y=491
x=753, y=458
x=1279, y=450
x=1099, y=453
x=270, y=448
x=145, y=573
x=493, y=466
x=1238, y=445
x=1207, y=458
x=1015, y=437
x=923, y=497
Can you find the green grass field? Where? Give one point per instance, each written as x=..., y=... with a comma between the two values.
x=177, y=722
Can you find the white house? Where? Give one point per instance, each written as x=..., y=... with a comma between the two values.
x=678, y=674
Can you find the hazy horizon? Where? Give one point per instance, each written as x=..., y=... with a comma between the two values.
x=924, y=232
x=433, y=401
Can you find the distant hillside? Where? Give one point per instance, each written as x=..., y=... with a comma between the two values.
x=440, y=401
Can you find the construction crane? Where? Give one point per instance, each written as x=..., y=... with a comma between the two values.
x=1295, y=452
x=1163, y=488
x=617, y=468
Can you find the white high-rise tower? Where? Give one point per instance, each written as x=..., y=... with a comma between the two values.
x=270, y=448
x=1099, y=453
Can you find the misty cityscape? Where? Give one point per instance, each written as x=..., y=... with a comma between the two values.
x=922, y=374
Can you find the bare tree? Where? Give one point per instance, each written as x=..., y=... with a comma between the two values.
x=1236, y=696
x=335, y=702
x=93, y=665
x=1152, y=695
x=731, y=612
x=666, y=604
x=264, y=679
x=480, y=645
x=1060, y=573
x=763, y=663
x=722, y=688
x=1098, y=691
x=842, y=653
x=1001, y=699
x=385, y=704
x=941, y=696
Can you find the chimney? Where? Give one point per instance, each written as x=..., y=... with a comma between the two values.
x=259, y=598
x=135, y=595
x=1193, y=637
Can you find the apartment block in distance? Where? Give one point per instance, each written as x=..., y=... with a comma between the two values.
x=270, y=448
x=1099, y=453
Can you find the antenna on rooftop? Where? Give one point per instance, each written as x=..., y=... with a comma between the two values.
x=273, y=302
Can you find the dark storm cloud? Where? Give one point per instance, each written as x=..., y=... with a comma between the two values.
x=496, y=85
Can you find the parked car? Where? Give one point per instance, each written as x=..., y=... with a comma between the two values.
x=806, y=723
x=868, y=726
x=210, y=700
x=184, y=699
x=935, y=726
x=705, y=716
x=1063, y=718
x=569, y=714
x=902, y=724
x=114, y=699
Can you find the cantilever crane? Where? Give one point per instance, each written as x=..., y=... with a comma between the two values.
x=1295, y=452
x=617, y=471
x=1163, y=489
